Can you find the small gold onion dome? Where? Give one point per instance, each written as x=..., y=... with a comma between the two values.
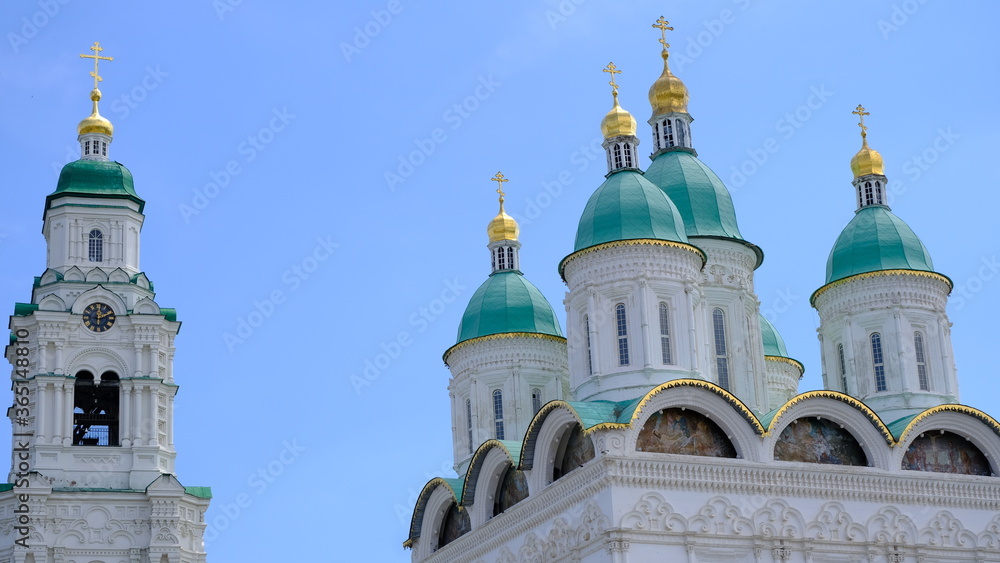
x=617, y=122
x=503, y=226
x=668, y=93
x=95, y=123
x=867, y=161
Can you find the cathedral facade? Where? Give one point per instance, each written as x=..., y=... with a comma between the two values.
x=92, y=475
x=665, y=422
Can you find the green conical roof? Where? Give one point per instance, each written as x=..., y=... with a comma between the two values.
x=875, y=240
x=95, y=178
x=700, y=196
x=627, y=206
x=507, y=302
x=774, y=345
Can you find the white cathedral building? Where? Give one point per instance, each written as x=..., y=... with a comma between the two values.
x=92, y=468
x=665, y=423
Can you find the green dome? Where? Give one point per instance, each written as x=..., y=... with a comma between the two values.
x=627, y=206
x=774, y=345
x=507, y=303
x=95, y=178
x=875, y=240
x=700, y=196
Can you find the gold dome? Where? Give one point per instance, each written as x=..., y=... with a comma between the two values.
x=867, y=161
x=617, y=122
x=95, y=122
x=502, y=227
x=668, y=93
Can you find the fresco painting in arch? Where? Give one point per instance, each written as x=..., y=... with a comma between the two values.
x=579, y=450
x=676, y=431
x=945, y=452
x=814, y=440
x=456, y=524
x=513, y=489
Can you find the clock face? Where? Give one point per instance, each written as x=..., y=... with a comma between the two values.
x=98, y=317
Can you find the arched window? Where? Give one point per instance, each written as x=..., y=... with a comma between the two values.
x=628, y=155
x=468, y=421
x=510, y=257
x=668, y=133
x=656, y=134
x=878, y=192
x=501, y=259
x=622, y=334
x=918, y=347
x=878, y=362
x=843, y=367
x=681, y=134
x=665, y=334
x=590, y=358
x=869, y=194
x=536, y=400
x=498, y=414
x=721, y=350
x=618, y=155
x=95, y=410
x=96, y=248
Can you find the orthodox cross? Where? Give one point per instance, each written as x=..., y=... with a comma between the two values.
x=612, y=70
x=499, y=179
x=661, y=24
x=861, y=113
x=97, y=58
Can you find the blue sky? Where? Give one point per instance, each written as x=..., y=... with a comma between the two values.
x=321, y=170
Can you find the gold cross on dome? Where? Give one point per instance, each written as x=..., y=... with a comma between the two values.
x=612, y=70
x=97, y=58
x=661, y=24
x=861, y=113
x=499, y=179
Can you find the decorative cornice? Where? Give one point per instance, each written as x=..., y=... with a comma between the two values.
x=499, y=336
x=783, y=359
x=878, y=273
x=632, y=242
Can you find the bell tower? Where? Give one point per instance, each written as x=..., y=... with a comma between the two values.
x=92, y=473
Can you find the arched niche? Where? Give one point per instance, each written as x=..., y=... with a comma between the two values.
x=454, y=525
x=812, y=439
x=945, y=452
x=682, y=431
x=574, y=450
x=513, y=489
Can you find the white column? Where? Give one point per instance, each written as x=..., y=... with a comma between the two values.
x=901, y=362
x=647, y=356
x=67, y=413
x=136, y=416
x=692, y=330
x=594, y=319
x=57, y=414
x=42, y=412
x=125, y=419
